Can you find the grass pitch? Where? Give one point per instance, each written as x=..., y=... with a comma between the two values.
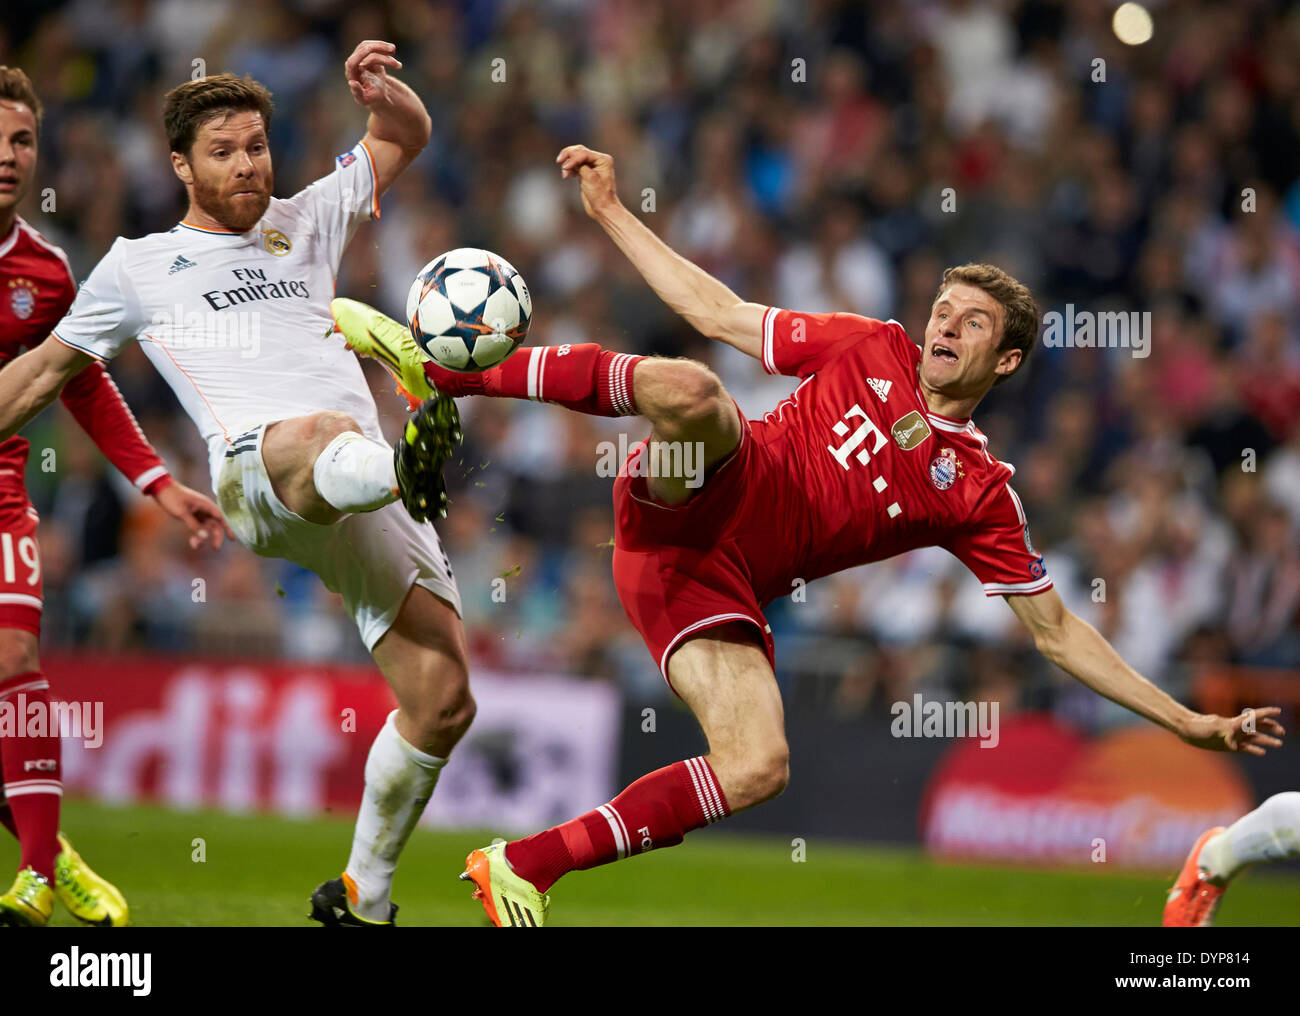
x=259, y=871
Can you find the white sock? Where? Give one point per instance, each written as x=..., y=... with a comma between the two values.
x=355, y=473
x=399, y=781
x=1269, y=833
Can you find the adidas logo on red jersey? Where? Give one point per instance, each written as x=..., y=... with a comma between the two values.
x=880, y=387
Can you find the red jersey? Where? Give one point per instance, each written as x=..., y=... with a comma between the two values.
x=851, y=468
x=873, y=472
x=36, y=289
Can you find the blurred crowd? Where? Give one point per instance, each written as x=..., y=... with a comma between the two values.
x=823, y=155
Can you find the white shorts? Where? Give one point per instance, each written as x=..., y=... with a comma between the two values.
x=371, y=558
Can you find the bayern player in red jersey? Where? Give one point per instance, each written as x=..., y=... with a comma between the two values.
x=872, y=455
x=36, y=289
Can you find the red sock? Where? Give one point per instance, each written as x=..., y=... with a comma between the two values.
x=32, y=774
x=657, y=810
x=582, y=377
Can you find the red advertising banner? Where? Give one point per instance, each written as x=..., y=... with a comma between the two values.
x=1136, y=797
x=292, y=738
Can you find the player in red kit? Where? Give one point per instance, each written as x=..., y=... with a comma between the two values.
x=36, y=289
x=872, y=455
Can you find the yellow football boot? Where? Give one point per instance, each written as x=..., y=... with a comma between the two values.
x=510, y=901
x=370, y=333
x=90, y=898
x=29, y=903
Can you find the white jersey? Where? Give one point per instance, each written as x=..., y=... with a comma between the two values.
x=239, y=323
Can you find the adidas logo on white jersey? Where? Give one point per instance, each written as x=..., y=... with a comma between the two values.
x=181, y=263
x=881, y=388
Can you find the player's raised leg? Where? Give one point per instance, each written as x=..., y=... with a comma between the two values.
x=1269, y=833
x=723, y=674
x=683, y=400
x=424, y=656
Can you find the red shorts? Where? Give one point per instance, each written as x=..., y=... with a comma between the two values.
x=683, y=569
x=20, y=562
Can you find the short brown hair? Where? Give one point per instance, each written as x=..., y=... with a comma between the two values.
x=15, y=86
x=188, y=107
x=1021, y=315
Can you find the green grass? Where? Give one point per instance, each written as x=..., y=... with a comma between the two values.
x=260, y=871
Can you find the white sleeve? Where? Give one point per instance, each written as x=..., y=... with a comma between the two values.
x=340, y=202
x=106, y=313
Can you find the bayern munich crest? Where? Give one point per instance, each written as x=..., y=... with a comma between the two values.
x=945, y=469
x=22, y=298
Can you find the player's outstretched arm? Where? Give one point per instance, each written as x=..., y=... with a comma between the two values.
x=1079, y=649
x=32, y=381
x=399, y=125
x=707, y=304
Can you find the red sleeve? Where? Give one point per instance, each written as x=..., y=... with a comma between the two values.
x=995, y=546
x=798, y=344
x=98, y=406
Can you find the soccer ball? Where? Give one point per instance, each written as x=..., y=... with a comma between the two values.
x=468, y=309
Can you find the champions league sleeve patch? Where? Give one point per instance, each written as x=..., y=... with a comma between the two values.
x=1036, y=567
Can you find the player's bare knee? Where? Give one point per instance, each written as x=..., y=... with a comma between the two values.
x=18, y=653
x=304, y=437
x=326, y=426
x=699, y=395
x=457, y=703
x=461, y=716
x=441, y=720
x=771, y=773
x=443, y=707
x=758, y=773
x=683, y=393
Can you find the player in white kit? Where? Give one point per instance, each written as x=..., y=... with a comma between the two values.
x=232, y=307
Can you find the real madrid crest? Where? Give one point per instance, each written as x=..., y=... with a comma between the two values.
x=276, y=242
x=22, y=298
x=946, y=469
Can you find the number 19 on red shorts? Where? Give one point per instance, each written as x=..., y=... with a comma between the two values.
x=20, y=572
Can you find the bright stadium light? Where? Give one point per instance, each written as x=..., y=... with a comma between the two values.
x=1132, y=24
